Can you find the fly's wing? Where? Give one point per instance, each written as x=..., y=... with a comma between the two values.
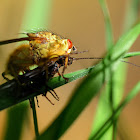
x=21, y=56
x=43, y=36
x=49, y=35
x=29, y=38
x=14, y=40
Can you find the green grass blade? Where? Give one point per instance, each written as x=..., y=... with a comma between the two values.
x=117, y=79
x=121, y=46
x=15, y=120
x=99, y=133
x=104, y=109
x=32, y=101
x=37, y=15
x=108, y=27
x=8, y=99
x=131, y=54
x=132, y=13
x=108, y=99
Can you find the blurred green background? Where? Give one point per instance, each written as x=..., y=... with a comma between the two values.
x=83, y=23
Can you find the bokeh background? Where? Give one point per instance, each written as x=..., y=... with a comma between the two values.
x=83, y=23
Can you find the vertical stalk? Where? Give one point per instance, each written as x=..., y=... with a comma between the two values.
x=34, y=116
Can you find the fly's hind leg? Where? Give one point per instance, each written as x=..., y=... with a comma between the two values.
x=37, y=101
x=3, y=75
x=45, y=94
x=15, y=75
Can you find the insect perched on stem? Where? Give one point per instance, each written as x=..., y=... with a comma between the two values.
x=43, y=48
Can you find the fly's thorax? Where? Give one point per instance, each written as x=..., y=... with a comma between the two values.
x=44, y=34
x=58, y=47
x=50, y=49
x=39, y=50
x=35, y=44
x=55, y=37
x=48, y=36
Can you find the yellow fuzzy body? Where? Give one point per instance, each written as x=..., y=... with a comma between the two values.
x=41, y=50
x=19, y=61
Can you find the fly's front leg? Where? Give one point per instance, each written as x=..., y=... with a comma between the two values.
x=65, y=66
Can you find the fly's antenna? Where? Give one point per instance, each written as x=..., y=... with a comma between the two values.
x=130, y=63
x=79, y=52
x=103, y=58
x=87, y=58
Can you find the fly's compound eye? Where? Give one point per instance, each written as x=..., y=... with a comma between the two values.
x=69, y=44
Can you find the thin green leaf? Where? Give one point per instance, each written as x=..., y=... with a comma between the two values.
x=132, y=14
x=108, y=27
x=131, y=54
x=121, y=46
x=7, y=98
x=32, y=101
x=117, y=79
x=11, y=93
x=108, y=99
x=14, y=122
x=99, y=133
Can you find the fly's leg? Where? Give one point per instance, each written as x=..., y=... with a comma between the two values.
x=59, y=75
x=16, y=77
x=14, y=73
x=37, y=101
x=53, y=93
x=3, y=75
x=65, y=66
x=30, y=101
x=47, y=98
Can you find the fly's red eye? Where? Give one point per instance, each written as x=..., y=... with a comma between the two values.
x=69, y=44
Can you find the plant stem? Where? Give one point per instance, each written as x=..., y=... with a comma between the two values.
x=34, y=116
